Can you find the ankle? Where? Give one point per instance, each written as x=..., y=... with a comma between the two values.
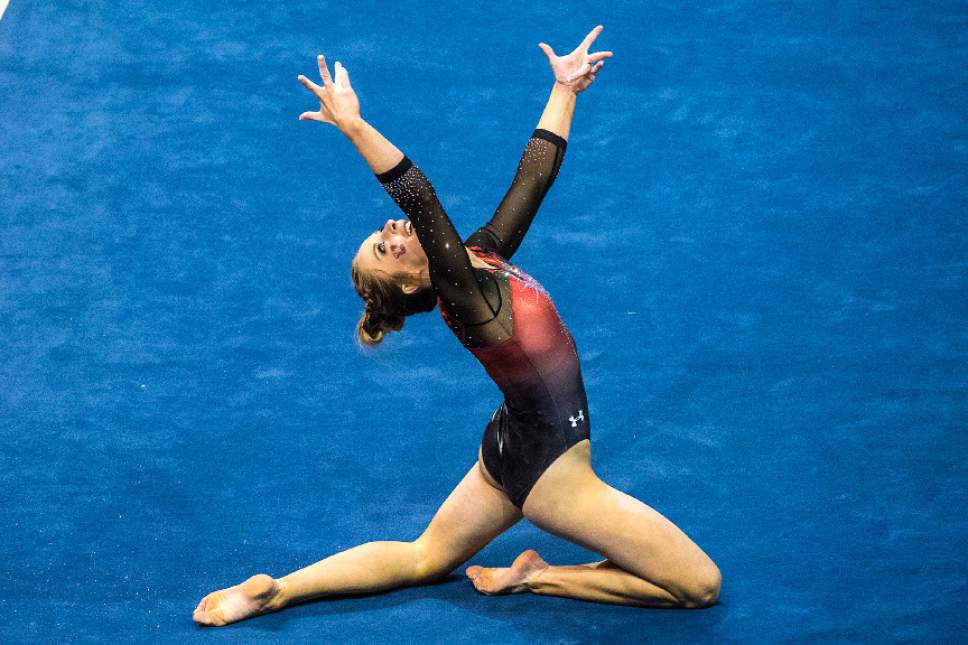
x=280, y=600
x=536, y=580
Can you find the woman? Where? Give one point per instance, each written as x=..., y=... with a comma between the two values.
x=534, y=460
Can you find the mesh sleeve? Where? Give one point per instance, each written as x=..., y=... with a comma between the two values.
x=453, y=278
x=536, y=173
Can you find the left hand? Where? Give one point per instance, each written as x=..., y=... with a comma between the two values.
x=577, y=70
x=338, y=104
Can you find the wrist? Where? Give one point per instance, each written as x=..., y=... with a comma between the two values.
x=352, y=126
x=563, y=90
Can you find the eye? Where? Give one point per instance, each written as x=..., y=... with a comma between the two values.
x=381, y=247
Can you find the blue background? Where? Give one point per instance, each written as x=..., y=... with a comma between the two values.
x=758, y=239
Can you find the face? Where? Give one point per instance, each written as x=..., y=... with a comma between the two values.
x=394, y=249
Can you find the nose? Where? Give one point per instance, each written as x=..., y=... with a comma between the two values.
x=394, y=226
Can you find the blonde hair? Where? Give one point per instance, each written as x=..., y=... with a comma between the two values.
x=387, y=306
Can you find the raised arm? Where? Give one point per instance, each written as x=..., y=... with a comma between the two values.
x=544, y=152
x=536, y=173
x=451, y=274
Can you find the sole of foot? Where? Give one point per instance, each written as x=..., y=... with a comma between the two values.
x=253, y=597
x=503, y=580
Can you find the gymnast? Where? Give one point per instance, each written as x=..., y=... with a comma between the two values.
x=534, y=459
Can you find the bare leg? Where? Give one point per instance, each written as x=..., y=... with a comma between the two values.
x=601, y=582
x=651, y=562
x=597, y=581
x=473, y=515
x=367, y=568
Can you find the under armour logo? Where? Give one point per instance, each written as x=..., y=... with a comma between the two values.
x=575, y=420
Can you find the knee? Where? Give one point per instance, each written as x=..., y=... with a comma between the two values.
x=703, y=591
x=429, y=563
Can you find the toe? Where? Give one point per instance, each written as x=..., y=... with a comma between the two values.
x=474, y=571
x=482, y=582
x=205, y=613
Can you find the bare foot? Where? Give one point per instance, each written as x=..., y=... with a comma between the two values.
x=254, y=597
x=513, y=579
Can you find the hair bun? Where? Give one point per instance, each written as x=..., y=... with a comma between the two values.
x=371, y=319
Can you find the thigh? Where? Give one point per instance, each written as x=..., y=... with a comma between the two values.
x=570, y=501
x=472, y=515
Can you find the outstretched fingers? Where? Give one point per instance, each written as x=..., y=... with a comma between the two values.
x=324, y=71
x=590, y=38
x=309, y=85
x=597, y=56
x=342, y=76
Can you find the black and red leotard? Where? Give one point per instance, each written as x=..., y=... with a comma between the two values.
x=505, y=317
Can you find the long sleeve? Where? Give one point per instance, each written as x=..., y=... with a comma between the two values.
x=451, y=273
x=536, y=173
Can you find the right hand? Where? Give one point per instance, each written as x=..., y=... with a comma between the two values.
x=338, y=104
x=577, y=70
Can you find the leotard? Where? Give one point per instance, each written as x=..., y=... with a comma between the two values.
x=505, y=317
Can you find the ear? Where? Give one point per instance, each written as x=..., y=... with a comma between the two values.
x=410, y=289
